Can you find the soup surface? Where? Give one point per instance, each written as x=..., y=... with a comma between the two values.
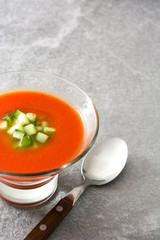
x=61, y=147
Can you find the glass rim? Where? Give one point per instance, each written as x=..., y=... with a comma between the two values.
x=58, y=169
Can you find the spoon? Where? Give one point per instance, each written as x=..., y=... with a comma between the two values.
x=102, y=165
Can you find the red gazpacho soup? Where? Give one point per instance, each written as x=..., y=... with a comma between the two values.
x=63, y=142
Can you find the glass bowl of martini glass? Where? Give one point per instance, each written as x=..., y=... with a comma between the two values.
x=46, y=125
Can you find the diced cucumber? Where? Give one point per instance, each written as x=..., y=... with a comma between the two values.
x=8, y=118
x=39, y=128
x=22, y=126
x=26, y=141
x=22, y=119
x=30, y=129
x=16, y=113
x=31, y=117
x=15, y=127
x=49, y=130
x=41, y=137
x=3, y=125
x=44, y=124
x=18, y=134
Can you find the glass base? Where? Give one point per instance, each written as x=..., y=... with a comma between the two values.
x=30, y=196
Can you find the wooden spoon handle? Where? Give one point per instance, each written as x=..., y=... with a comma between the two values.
x=53, y=218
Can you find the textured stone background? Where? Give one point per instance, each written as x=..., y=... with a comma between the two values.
x=111, y=49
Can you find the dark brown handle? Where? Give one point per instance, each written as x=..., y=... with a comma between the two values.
x=46, y=226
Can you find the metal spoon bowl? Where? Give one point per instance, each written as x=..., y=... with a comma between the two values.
x=105, y=161
x=102, y=165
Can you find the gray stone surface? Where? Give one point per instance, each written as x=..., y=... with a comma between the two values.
x=111, y=49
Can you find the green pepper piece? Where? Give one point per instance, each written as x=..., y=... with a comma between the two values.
x=9, y=118
x=26, y=141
